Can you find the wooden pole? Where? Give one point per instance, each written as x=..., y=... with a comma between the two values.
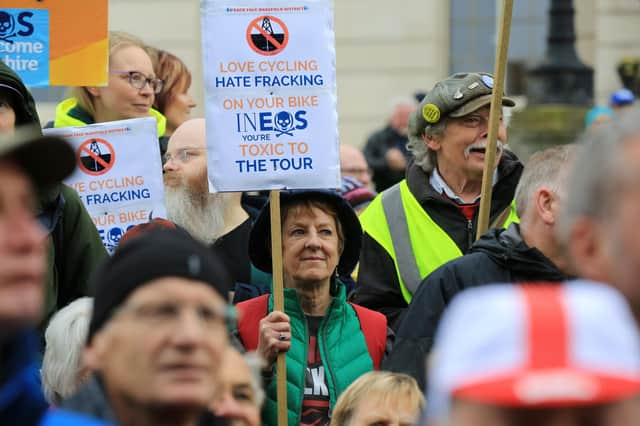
x=278, y=300
x=494, y=116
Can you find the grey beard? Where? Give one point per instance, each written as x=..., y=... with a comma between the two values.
x=201, y=214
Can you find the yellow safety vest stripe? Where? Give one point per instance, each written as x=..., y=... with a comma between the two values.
x=430, y=244
x=63, y=119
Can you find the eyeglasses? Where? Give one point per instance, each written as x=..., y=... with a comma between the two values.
x=168, y=314
x=474, y=121
x=138, y=80
x=182, y=155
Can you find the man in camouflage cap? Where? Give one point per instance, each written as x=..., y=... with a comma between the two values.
x=430, y=217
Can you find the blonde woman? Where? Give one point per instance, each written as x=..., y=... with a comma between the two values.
x=130, y=93
x=379, y=397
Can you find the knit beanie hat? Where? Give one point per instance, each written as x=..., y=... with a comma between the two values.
x=156, y=254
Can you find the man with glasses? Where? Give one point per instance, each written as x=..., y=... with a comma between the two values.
x=430, y=217
x=217, y=219
x=353, y=163
x=157, y=334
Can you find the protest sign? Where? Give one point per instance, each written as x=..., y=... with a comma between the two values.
x=118, y=174
x=49, y=43
x=270, y=95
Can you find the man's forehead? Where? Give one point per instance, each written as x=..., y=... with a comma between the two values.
x=352, y=155
x=235, y=371
x=191, y=134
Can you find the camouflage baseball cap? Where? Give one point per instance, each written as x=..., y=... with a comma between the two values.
x=455, y=96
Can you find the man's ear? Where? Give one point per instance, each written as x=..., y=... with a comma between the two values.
x=93, y=351
x=588, y=250
x=432, y=142
x=544, y=199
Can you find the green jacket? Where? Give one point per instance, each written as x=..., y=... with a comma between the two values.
x=74, y=247
x=75, y=237
x=342, y=346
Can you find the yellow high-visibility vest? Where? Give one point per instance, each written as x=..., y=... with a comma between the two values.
x=417, y=245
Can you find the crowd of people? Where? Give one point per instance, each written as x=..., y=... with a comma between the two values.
x=393, y=313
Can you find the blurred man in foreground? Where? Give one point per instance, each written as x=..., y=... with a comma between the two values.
x=157, y=334
x=510, y=355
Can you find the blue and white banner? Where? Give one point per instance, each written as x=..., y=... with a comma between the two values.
x=24, y=44
x=118, y=175
x=271, y=101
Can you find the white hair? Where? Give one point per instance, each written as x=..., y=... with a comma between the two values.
x=201, y=214
x=65, y=338
x=544, y=168
x=424, y=157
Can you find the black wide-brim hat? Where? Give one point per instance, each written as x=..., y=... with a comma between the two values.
x=260, y=237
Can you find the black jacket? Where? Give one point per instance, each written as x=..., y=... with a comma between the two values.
x=375, y=150
x=378, y=287
x=499, y=256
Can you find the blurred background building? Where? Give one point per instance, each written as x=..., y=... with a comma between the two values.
x=389, y=49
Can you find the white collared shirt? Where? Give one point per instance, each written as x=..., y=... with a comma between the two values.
x=441, y=186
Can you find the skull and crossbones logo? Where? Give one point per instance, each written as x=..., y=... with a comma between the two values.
x=283, y=123
x=114, y=236
x=7, y=27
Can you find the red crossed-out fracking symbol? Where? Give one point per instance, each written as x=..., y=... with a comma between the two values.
x=267, y=35
x=95, y=156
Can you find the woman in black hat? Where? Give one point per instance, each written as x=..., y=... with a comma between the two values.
x=329, y=342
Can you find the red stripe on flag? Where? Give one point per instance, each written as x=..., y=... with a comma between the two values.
x=547, y=327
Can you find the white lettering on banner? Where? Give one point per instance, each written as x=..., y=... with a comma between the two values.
x=21, y=47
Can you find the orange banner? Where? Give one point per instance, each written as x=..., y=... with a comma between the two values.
x=78, y=40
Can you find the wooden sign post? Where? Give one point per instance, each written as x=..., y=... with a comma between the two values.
x=278, y=299
x=494, y=116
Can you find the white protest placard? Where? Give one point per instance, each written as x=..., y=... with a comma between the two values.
x=118, y=175
x=271, y=101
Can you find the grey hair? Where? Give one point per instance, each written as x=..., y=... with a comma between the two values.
x=255, y=366
x=544, y=168
x=598, y=170
x=65, y=338
x=423, y=156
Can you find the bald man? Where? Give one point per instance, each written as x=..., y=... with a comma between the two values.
x=353, y=163
x=217, y=219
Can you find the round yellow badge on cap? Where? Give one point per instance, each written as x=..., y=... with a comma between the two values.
x=431, y=113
